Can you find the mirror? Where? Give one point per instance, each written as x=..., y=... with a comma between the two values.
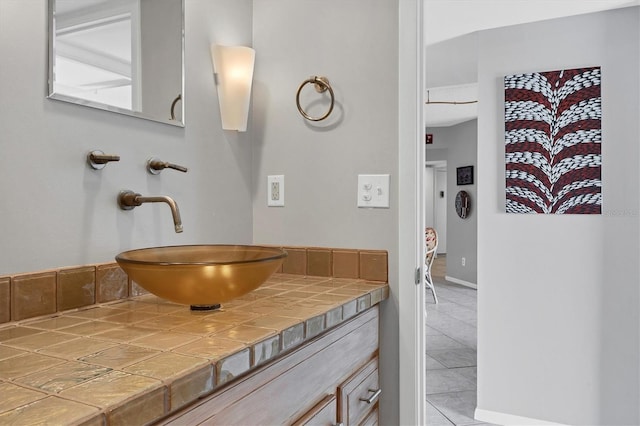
x=124, y=56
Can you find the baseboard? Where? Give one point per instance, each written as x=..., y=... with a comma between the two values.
x=498, y=418
x=461, y=282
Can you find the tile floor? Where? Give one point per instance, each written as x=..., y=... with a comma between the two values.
x=451, y=351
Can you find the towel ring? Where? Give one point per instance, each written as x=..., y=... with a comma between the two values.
x=322, y=85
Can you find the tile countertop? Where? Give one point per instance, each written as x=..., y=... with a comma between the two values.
x=134, y=361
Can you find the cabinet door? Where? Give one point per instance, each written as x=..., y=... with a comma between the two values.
x=359, y=394
x=325, y=413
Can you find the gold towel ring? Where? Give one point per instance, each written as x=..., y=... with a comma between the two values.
x=322, y=85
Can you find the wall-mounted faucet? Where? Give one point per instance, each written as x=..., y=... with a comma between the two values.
x=128, y=199
x=155, y=166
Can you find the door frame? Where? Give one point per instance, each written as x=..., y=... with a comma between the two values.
x=440, y=218
x=431, y=196
x=411, y=156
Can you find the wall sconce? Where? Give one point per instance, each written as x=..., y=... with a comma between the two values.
x=233, y=68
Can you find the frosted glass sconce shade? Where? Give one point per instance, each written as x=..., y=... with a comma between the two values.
x=233, y=66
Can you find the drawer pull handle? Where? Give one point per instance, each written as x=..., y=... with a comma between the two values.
x=372, y=398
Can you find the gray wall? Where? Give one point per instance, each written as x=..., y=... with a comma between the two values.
x=356, y=48
x=452, y=62
x=55, y=211
x=558, y=328
x=461, y=143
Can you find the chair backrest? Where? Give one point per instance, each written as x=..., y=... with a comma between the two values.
x=431, y=244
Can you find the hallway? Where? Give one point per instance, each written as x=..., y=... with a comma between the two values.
x=451, y=351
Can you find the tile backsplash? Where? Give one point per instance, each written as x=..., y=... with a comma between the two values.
x=5, y=299
x=33, y=295
x=76, y=287
x=41, y=293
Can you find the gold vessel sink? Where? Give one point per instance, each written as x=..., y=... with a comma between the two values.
x=202, y=276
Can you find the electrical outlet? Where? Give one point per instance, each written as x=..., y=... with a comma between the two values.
x=464, y=261
x=275, y=190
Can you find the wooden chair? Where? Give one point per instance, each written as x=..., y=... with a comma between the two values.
x=431, y=245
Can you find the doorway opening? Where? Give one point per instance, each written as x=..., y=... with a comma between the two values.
x=435, y=187
x=451, y=360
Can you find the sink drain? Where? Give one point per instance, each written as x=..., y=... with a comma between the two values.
x=205, y=307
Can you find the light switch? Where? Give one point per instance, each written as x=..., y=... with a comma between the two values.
x=373, y=191
x=275, y=190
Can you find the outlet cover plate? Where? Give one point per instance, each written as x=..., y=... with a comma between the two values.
x=275, y=190
x=373, y=191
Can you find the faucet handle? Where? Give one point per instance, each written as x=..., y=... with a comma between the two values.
x=155, y=166
x=98, y=159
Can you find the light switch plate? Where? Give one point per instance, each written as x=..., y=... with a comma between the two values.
x=373, y=191
x=275, y=190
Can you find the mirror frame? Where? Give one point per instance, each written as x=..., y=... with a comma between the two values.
x=92, y=104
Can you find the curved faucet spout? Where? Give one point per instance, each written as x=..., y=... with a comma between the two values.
x=127, y=200
x=175, y=212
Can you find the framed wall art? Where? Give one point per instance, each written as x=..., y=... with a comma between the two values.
x=464, y=175
x=553, y=142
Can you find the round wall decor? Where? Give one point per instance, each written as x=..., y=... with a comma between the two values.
x=463, y=204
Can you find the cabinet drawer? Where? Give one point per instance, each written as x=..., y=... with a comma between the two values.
x=371, y=419
x=323, y=414
x=359, y=394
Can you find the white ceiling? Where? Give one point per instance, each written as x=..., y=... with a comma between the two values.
x=446, y=19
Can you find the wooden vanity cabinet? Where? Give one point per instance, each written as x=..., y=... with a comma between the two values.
x=323, y=414
x=321, y=382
